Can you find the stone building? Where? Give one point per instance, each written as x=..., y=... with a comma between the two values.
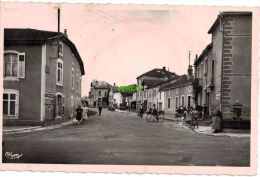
x=229, y=58
x=178, y=92
x=99, y=93
x=150, y=82
x=36, y=87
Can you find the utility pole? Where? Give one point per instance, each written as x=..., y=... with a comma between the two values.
x=189, y=53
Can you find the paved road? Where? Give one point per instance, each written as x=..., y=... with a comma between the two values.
x=121, y=138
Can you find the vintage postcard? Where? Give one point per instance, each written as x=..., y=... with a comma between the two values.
x=129, y=88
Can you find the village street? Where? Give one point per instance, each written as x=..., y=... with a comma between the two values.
x=125, y=139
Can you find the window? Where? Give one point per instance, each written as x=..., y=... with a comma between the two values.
x=206, y=66
x=63, y=105
x=182, y=100
x=10, y=103
x=14, y=64
x=176, y=102
x=198, y=72
x=189, y=88
x=189, y=99
x=105, y=94
x=72, y=105
x=60, y=49
x=213, y=68
x=59, y=76
x=99, y=93
x=169, y=103
x=72, y=78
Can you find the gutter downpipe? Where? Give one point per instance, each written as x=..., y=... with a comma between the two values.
x=222, y=27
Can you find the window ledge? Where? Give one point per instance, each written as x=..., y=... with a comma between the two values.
x=9, y=117
x=11, y=79
x=59, y=84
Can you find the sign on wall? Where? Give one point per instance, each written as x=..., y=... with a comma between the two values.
x=218, y=94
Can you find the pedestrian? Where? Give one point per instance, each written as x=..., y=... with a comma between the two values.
x=79, y=111
x=99, y=109
x=217, y=122
x=85, y=113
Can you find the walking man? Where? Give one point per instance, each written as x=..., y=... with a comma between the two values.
x=79, y=113
x=99, y=109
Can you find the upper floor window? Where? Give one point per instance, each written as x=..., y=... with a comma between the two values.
x=60, y=49
x=99, y=92
x=14, y=64
x=206, y=66
x=59, y=75
x=72, y=78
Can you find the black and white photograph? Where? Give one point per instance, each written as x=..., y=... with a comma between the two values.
x=129, y=84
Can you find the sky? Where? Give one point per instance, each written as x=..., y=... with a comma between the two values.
x=117, y=43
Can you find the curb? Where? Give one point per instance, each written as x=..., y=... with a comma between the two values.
x=211, y=134
x=38, y=128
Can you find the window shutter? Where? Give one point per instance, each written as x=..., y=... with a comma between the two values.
x=21, y=65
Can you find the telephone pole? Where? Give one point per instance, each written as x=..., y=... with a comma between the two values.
x=189, y=53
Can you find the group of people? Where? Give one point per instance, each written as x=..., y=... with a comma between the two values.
x=152, y=111
x=81, y=113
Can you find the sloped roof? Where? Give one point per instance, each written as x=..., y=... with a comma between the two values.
x=159, y=73
x=227, y=13
x=181, y=81
x=205, y=51
x=101, y=84
x=152, y=83
x=34, y=36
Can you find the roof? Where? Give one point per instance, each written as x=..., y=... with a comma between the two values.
x=34, y=36
x=181, y=81
x=159, y=73
x=205, y=52
x=152, y=83
x=222, y=14
x=101, y=84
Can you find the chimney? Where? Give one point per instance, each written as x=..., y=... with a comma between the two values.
x=164, y=68
x=65, y=33
x=58, y=20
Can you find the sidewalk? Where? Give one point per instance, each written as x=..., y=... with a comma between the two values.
x=206, y=130
x=25, y=129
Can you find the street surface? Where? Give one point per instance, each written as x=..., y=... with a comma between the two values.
x=125, y=139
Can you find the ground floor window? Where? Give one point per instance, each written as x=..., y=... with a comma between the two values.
x=169, y=103
x=149, y=105
x=176, y=102
x=189, y=99
x=182, y=100
x=10, y=103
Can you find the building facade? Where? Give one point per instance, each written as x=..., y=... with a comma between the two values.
x=206, y=74
x=178, y=93
x=36, y=87
x=150, y=82
x=230, y=63
x=99, y=93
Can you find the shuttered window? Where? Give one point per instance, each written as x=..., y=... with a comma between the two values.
x=21, y=65
x=14, y=64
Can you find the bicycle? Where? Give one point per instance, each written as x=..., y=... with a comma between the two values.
x=152, y=117
x=140, y=114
